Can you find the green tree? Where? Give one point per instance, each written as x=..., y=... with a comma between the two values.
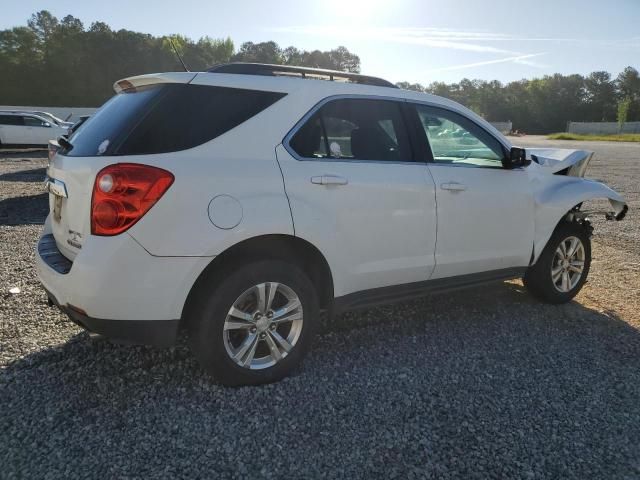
x=600, y=96
x=264, y=52
x=623, y=112
x=628, y=83
x=416, y=87
x=43, y=25
x=342, y=59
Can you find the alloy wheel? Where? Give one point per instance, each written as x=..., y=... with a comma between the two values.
x=567, y=265
x=263, y=325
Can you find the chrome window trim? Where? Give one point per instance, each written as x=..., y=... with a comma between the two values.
x=468, y=165
x=318, y=106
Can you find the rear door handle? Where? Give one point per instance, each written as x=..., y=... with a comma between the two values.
x=453, y=186
x=329, y=180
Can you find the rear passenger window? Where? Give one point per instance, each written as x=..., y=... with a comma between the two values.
x=166, y=118
x=354, y=129
x=33, y=122
x=11, y=120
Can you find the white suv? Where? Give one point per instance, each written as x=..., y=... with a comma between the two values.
x=29, y=128
x=242, y=202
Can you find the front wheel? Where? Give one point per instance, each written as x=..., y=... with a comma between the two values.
x=257, y=325
x=563, y=266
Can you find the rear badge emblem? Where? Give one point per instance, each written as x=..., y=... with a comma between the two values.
x=74, y=239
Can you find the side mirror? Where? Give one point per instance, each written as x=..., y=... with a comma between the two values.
x=46, y=124
x=517, y=158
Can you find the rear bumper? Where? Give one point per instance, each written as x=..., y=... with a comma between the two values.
x=114, y=287
x=161, y=333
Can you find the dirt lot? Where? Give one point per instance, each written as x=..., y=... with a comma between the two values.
x=478, y=384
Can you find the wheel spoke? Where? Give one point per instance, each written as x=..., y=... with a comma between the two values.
x=237, y=325
x=289, y=307
x=555, y=274
x=261, y=298
x=288, y=317
x=236, y=313
x=575, y=268
x=573, y=245
x=563, y=248
x=273, y=348
x=247, y=350
x=272, y=289
x=565, y=281
x=282, y=342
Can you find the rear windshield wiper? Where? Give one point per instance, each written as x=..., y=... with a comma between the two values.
x=66, y=144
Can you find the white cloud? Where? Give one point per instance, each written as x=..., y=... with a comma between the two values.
x=469, y=40
x=464, y=40
x=521, y=59
x=432, y=37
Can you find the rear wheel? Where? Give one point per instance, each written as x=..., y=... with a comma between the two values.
x=256, y=326
x=563, y=266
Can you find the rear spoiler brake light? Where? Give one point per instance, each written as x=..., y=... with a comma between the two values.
x=131, y=83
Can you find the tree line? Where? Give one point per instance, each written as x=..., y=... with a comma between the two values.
x=61, y=62
x=545, y=105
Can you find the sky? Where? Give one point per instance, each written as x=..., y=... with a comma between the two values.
x=400, y=40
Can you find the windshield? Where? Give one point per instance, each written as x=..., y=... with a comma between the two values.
x=52, y=118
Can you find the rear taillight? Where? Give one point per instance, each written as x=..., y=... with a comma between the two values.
x=123, y=193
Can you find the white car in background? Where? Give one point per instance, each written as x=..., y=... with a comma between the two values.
x=28, y=128
x=241, y=202
x=50, y=117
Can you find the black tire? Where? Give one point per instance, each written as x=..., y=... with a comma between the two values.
x=207, y=315
x=538, y=278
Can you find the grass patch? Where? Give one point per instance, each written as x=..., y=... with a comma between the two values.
x=623, y=137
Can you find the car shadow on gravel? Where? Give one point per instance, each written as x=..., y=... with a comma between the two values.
x=484, y=383
x=29, y=175
x=25, y=210
x=19, y=153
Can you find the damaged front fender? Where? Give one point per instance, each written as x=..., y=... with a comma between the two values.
x=558, y=195
x=573, y=163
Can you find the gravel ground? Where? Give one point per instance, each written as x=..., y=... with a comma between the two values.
x=479, y=384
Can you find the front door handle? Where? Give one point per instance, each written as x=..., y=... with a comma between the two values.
x=453, y=186
x=329, y=180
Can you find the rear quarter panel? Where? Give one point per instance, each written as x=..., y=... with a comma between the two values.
x=241, y=164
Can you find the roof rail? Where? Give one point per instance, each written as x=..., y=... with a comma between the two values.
x=304, y=72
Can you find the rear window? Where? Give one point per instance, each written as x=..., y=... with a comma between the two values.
x=355, y=129
x=166, y=118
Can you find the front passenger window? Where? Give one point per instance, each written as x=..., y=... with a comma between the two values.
x=456, y=140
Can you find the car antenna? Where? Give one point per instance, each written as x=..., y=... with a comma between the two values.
x=178, y=55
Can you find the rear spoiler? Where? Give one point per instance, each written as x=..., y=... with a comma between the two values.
x=152, y=79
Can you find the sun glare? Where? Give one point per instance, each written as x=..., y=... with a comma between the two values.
x=357, y=11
